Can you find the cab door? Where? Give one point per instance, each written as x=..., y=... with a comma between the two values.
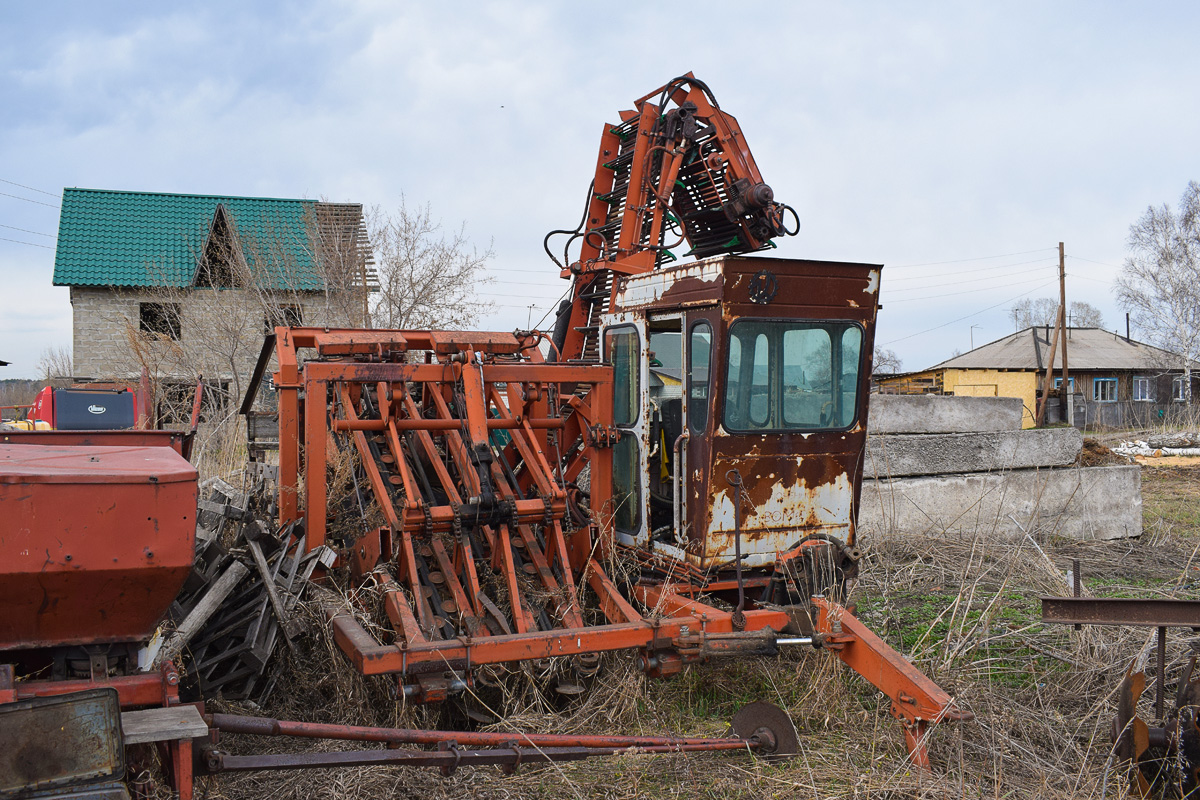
x=696, y=450
x=625, y=350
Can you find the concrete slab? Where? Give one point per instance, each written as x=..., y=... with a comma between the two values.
x=947, y=453
x=929, y=413
x=1072, y=502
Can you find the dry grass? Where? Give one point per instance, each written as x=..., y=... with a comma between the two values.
x=964, y=609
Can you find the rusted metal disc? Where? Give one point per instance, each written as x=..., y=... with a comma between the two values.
x=395, y=480
x=437, y=578
x=771, y=726
x=449, y=606
x=529, y=569
x=475, y=715
x=569, y=688
x=519, y=544
x=425, y=551
x=386, y=458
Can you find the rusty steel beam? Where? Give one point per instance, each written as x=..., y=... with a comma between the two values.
x=1140, y=612
x=446, y=759
x=264, y=726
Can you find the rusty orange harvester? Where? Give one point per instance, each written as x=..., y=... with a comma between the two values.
x=674, y=469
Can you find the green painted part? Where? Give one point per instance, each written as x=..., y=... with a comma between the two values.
x=680, y=184
x=734, y=242
x=669, y=256
x=671, y=217
x=113, y=238
x=499, y=438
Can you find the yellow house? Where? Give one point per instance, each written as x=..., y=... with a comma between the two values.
x=1115, y=381
x=969, y=382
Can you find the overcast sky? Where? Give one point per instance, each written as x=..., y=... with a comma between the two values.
x=955, y=143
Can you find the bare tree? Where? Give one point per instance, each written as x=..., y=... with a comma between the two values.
x=1028, y=312
x=428, y=279
x=55, y=364
x=886, y=362
x=1044, y=311
x=1159, y=284
x=1084, y=315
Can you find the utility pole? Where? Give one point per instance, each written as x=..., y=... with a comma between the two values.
x=1064, y=396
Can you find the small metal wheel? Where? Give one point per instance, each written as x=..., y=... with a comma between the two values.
x=770, y=726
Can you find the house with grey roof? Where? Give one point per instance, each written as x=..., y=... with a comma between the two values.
x=1114, y=381
x=187, y=285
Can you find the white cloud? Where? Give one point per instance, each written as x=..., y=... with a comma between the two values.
x=900, y=135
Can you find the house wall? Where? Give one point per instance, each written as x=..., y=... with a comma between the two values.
x=1124, y=411
x=994, y=383
x=220, y=338
x=969, y=383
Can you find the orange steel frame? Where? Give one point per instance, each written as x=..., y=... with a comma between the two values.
x=510, y=516
x=651, y=184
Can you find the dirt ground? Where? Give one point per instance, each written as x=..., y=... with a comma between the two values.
x=964, y=608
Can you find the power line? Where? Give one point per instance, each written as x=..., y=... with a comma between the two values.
x=968, y=271
x=1086, y=278
x=31, y=244
x=30, y=188
x=977, y=258
x=27, y=200
x=549, y=272
x=556, y=304
x=23, y=230
x=953, y=294
x=968, y=316
x=1101, y=263
x=972, y=280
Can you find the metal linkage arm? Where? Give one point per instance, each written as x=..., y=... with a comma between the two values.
x=916, y=700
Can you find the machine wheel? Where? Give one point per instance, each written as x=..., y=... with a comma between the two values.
x=771, y=726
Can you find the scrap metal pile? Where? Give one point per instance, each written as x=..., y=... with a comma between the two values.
x=240, y=601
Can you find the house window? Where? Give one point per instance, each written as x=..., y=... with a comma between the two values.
x=1070, y=384
x=1179, y=389
x=287, y=316
x=1142, y=390
x=161, y=319
x=1104, y=390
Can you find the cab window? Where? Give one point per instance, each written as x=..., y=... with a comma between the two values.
x=788, y=375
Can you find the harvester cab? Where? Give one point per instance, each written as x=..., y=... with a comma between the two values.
x=740, y=398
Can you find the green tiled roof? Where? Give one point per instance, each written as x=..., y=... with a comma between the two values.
x=112, y=238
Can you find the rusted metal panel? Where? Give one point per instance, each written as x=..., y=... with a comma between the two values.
x=95, y=541
x=805, y=289
x=791, y=492
x=64, y=742
x=118, y=438
x=1143, y=612
x=695, y=284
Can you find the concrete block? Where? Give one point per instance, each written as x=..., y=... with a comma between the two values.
x=947, y=453
x=1073, y=502
x=930, y=413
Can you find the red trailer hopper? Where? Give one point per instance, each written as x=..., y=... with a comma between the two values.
x=95, y=541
